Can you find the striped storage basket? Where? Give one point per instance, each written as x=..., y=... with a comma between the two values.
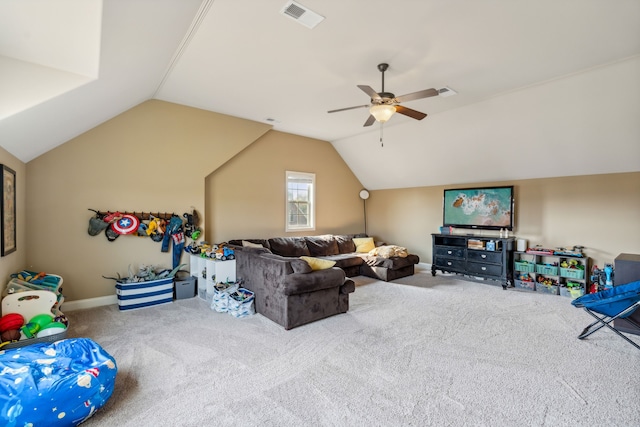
x=144, y=294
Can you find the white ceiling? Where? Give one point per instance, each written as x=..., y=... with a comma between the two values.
x=244, y=58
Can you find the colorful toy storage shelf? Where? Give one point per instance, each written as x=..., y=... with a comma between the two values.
x=208, y=272
x=552, y=274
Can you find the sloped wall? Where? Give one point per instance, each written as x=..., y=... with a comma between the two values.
x=246, y=196
x=154, y=157
x=582, y=124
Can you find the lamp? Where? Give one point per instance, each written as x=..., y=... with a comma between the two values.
x=382, y=112
x=364, y=195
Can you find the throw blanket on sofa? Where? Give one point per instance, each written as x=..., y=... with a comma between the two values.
x=54, y=384
x=389, y=251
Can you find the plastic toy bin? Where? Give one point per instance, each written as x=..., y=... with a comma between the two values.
x=525, y=267
x=547, y=269
x=29, y=304
x=572, y=273
x=547, y=289
x=185, y=288
x=572, y=293
x=525, y=285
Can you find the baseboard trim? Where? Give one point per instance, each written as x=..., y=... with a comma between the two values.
x=425, y=265
x=88, y=303
x=113, y=299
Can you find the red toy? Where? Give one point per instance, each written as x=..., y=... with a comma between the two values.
x=11, y=321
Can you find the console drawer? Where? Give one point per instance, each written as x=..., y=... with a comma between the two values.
x=485, y=256
x=484, y=269
x=452, y=263
x=449, y=252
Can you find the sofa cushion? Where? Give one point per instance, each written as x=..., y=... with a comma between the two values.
x=345, y=243
x=364, y=244
x=393, y=263
x=322, y=245
x=289, y=246
x=346, y=260
x=251, y=250
x=318, y=263
x=240, y=242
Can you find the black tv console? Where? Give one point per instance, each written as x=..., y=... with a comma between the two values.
x=471, y=256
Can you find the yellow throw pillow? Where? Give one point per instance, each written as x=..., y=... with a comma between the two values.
x=318, y=263
x=364, y=244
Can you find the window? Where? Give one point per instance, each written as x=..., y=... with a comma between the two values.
x=300, y=201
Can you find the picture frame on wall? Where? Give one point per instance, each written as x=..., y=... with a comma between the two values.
x=8, y=211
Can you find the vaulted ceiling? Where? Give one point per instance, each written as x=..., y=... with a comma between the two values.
x=68, y=65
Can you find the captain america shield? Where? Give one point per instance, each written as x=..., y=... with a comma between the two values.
x=126, y=225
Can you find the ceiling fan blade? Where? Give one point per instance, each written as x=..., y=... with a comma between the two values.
x=349, y=108
x=417, y=95
x=369, y=91
x=409, y=112
x=371, y=120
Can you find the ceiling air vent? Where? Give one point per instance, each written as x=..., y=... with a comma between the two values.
x=446, y=91
x=301, y=14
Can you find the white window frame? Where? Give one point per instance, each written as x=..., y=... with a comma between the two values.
x=290, y=177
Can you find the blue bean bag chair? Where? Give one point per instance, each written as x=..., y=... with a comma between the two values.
x=54, y=384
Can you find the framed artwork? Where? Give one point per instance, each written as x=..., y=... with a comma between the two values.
x=8, y=211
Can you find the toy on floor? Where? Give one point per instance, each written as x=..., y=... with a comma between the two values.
x=601, y=278
x=29, y=313
x=55, y=384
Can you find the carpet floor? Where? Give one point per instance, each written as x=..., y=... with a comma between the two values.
x=418, y=351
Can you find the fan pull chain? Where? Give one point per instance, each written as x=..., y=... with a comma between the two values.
x=381, y=134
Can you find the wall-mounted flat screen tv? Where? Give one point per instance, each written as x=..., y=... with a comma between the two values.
x=489, y=208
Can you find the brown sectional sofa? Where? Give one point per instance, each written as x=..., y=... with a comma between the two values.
x=342, y=250
x=286, y=289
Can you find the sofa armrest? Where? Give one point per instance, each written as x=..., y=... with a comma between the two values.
x=348, y=287
x=298, y=283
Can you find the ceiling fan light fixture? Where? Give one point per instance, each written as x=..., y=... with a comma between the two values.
x=382, y=112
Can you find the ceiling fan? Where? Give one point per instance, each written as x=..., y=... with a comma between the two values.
x=384, y=104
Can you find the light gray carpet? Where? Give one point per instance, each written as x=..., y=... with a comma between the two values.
x=419, y=351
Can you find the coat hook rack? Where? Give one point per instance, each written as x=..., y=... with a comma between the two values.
x=143, y=216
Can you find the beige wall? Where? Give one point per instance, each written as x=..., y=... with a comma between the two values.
x=154, y=157
x=15, y=261
x=246, y=197
x=160, y=156
x=600, y=212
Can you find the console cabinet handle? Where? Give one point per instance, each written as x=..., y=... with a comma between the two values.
x=484, y=268
x=483, y=256
x=448, y=262
x=449, y=252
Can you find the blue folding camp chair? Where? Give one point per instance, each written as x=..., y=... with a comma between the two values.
x=618, y=302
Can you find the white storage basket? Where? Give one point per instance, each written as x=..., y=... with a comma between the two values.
x=221, y=292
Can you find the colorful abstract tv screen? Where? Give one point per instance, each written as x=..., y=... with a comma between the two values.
x=489, y=208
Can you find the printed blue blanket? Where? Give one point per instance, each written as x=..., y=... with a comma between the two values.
x=54, y=384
